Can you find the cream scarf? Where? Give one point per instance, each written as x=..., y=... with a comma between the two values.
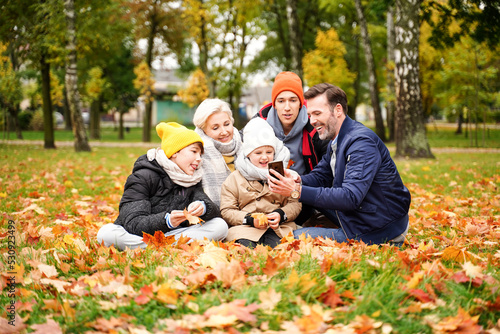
x=176, y=174
x=215, y=170
x=253, y=173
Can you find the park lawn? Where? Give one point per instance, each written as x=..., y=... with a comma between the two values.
x=445, y=279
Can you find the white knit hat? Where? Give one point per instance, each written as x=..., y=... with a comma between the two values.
x=258, y=133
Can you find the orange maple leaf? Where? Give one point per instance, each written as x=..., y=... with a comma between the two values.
x=454, y=253
x=158, y=240
x=274, y=264
x=193, y=220
x=461, y=323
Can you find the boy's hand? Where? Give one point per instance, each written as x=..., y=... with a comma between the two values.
x=196, y=208
x=176, y=217
x=273, y=219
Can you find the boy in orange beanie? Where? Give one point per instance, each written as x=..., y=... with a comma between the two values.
x=165, y=184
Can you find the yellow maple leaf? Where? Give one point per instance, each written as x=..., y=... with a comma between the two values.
x=305, y=282
x=415, y=279
x=211, y=256
x=166, y=294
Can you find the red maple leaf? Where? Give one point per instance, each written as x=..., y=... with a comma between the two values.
x=421, y=295
x=331, y=298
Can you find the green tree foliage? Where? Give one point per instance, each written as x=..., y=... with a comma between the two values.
x=10, y=91
x=476, y=18
x=468, y=79
x=122, y=94
x=327, y=64
x=10, y=83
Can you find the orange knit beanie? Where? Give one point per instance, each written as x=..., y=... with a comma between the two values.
x=288, y=81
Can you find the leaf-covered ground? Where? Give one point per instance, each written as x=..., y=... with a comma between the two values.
x=445, y=279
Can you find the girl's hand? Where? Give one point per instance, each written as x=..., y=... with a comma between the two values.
x=273, y=219
x=196, y=208
x=176, y=217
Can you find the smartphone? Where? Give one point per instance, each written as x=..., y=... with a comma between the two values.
x=277, y=166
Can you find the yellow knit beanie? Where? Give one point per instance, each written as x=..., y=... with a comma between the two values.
x=174, y=137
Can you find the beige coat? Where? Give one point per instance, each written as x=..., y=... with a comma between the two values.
x=239, y=197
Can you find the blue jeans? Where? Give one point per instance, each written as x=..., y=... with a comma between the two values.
x=336, y=234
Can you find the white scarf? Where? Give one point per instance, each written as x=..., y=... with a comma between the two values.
x=176, y=174
x=253, y=173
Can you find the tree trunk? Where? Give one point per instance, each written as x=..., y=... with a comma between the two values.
x=146, y=122
x=68, y=125
x=48, y=117
x=120, y=125
x=460, y=121
x=351, y=110
x=370, y=63
x=411, y=136
x=95, y=119
x=295, y=37
x=71, y=79
x=390, y=73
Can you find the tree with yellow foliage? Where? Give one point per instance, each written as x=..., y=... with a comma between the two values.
x=327, y=64
x=144, y=84
x=10, y=89
x=196, y=90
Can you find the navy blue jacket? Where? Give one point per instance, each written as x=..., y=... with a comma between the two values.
x=367, y=194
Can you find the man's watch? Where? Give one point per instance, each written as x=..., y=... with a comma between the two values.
x=295, y=193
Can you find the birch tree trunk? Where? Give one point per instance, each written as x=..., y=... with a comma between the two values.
x=411, y=136
x=71, y=79
x=295, y=37
x=370, y=63
x=390, y=73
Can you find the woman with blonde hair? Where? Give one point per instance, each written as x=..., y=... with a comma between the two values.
x=222, y=142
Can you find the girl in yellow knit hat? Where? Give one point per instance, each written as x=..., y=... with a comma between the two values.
x=164, y=182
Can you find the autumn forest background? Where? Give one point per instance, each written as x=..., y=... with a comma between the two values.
x=433, y=65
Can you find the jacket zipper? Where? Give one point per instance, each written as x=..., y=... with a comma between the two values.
x=336, y=212
x=341, y=226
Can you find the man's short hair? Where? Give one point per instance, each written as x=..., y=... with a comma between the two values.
x=333, y=93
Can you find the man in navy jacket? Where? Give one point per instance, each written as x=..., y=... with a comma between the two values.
x=356, y=184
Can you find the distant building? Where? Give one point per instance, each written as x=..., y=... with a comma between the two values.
x=166, y=107
x=254, y=98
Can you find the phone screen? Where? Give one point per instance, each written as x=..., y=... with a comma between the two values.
x=277, y=166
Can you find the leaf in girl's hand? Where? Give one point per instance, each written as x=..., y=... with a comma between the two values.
x=193, y=220
x=261, y=217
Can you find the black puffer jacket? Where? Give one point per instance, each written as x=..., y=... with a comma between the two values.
x=313, y=148
x=150, y=193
